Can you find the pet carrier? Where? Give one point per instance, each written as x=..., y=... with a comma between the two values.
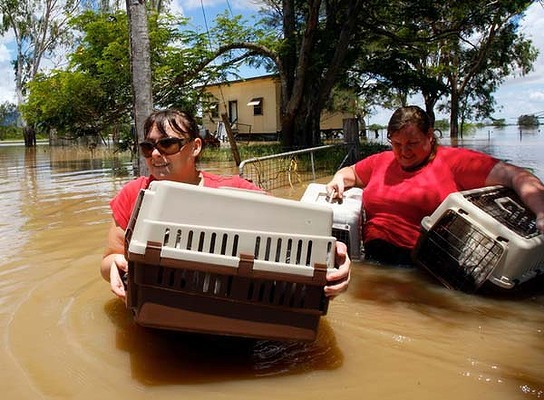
x=481, y=235
x=228, y=261
x=347, y=214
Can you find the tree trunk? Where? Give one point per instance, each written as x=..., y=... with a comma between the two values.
x=287, y=131
x=351, y=137
x=29, y=135
x=430, y=102
x=307, y=130
x=301, y=129
x=454, y=115
x=141, y=72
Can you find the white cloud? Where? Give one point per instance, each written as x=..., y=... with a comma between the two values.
x=7, y=77
x=525, y=94
x=537, y=95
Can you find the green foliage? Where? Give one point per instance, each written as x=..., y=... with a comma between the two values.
x=376, y=127
x=499, y=122
x=462, y=50
x=11, y=133
x=329, y=160
x=442, y=124
x=93, y=95
x=70, y=103
x=9, y=129
x=8, y=114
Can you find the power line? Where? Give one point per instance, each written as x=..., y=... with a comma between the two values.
x=210, y=44
x=230, y=9
x=205, y=22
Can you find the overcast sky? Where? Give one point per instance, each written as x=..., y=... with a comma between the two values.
x=517, y=95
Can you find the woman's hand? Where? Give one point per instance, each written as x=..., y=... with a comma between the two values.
x=118, y=268
x=335, y=188
x=343, y=179
x=338, y=279
x=114, y=264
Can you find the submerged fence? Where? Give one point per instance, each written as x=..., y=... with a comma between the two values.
x=294, y=167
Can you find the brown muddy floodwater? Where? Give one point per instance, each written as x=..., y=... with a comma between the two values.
x=396, y=334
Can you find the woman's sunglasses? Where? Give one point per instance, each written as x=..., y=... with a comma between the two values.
x=166, y=146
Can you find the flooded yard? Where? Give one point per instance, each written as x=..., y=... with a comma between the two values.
x=396, y=334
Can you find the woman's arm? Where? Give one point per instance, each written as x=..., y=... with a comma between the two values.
x=529, y=188
x=113, y=261
x=343, y=179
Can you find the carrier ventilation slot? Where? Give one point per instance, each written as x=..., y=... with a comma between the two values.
x=194, y=281
x=342, y=235
x=195, y=240
x=261, y=291
x=278, y=293
x=459, y=254
x=288, y=251
x=266, y=248
x=504, y=205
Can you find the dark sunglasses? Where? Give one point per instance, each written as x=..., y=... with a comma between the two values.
x=167, y=146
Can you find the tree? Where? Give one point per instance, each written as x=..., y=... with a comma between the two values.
x=307, y=43
x=483, y=53
x=67, y=103
x=92, y=95
x=528, y=121
x=8, y=113
x=313, y=55
x=8, y=120
x=39, y=28
x=400, y=56
x=461, y=49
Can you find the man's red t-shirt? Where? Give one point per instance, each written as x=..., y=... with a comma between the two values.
x=123, y=203
x=395, y=201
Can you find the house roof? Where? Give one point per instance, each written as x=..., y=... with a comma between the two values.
x=273, y=76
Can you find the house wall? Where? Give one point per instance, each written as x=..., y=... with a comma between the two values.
x=333, y=120
x=243, y=91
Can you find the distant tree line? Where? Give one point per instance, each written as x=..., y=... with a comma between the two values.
x=528, y=120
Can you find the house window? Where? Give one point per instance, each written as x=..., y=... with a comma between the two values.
x=214, y=110
x=257, y=104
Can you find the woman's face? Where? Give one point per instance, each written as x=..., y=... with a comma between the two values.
x=411, y=146
x=180, y=166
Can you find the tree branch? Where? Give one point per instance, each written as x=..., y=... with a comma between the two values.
x=255, y=49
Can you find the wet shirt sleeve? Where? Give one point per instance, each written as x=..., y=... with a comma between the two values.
x=123, y=203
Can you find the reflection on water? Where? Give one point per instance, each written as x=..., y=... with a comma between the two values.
x=395, y=334
x=199, y=359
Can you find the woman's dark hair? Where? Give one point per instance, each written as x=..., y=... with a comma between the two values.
x=180, y=122
x=408, y=115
